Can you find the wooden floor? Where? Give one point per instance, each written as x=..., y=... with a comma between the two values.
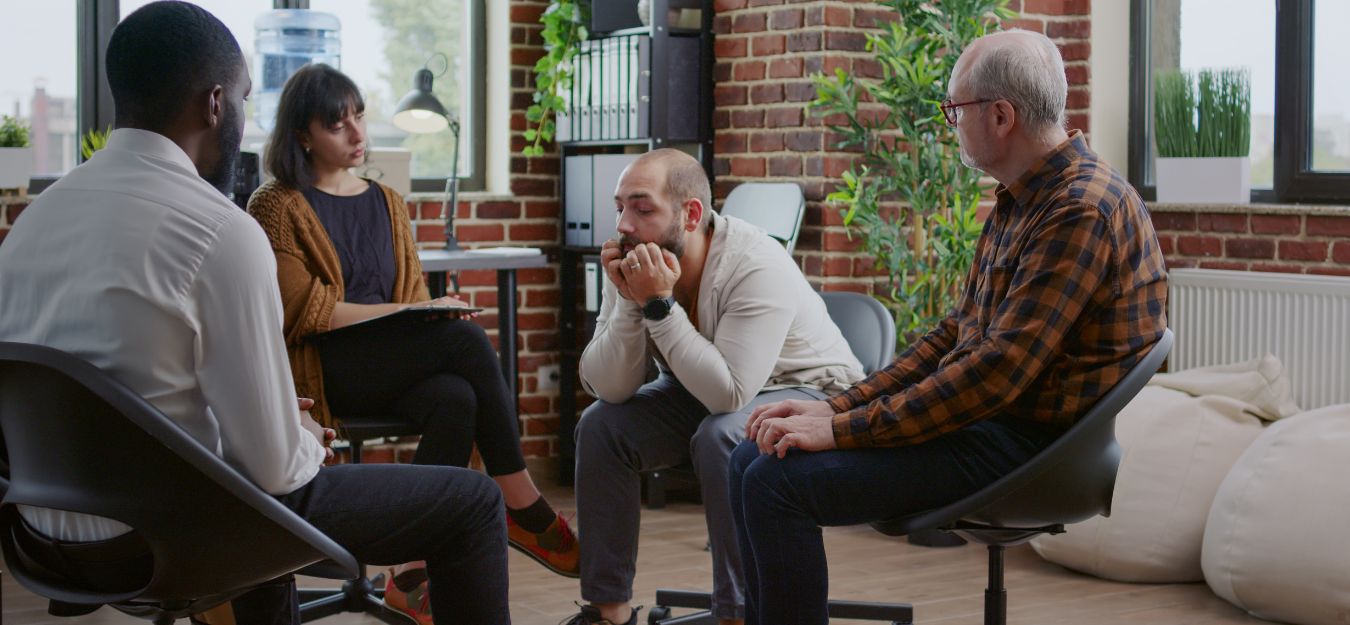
x=945, y=585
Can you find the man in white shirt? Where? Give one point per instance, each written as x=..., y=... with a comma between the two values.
x=731, y=323
x=136, y=262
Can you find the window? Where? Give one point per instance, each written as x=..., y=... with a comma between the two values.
x=40, y=89
x=384, y=42
x=1300, y=109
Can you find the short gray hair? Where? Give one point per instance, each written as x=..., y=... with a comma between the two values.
x=1031, y=77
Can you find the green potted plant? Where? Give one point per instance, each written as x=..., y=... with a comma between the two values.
x=1202, y=124
x=907, y=196
x=16, y=158
x=93, y=141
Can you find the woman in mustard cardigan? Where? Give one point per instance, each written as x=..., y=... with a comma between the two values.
x=345, y=253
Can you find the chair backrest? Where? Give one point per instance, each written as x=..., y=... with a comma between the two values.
x=867, y=326
x=777, y=207
x=1069, y=481
x=80, y=441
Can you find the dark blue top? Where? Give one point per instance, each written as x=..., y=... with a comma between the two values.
x=358, y=226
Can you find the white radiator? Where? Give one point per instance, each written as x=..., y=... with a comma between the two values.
x=1221, y=317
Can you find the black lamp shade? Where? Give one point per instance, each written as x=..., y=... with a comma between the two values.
x=420, y=112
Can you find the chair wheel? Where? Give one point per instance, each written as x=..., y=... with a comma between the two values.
x=657, y=614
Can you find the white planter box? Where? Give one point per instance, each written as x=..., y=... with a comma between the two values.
x=1225, y=180
x=16, y=167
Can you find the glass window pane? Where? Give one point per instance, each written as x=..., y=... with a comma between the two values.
x=1199, y=34
x=384, y=43
x=1331, y=92
x=238, y=16
x=41, y=88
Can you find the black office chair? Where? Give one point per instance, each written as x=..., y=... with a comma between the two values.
x=80, y=441
x=359, y=594
x=1070, y=481
x=869, y=329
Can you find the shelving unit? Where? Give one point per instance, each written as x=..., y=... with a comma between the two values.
x=675, y=116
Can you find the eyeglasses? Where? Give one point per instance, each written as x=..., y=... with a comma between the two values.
x=949, y=109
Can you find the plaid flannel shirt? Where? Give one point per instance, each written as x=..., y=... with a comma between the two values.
x=1068, y=290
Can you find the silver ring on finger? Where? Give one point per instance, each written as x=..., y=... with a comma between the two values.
x=635, y=265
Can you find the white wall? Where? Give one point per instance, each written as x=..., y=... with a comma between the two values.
x=1109, y=68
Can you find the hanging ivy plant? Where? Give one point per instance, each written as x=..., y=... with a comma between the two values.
x=564, y=29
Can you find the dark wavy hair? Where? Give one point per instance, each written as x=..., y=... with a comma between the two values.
x=315, y=91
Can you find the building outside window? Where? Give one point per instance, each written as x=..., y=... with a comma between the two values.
x=41, y=88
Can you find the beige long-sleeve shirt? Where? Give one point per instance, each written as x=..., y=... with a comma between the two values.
x=760, y=326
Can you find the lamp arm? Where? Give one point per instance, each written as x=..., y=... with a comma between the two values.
x=450, y=199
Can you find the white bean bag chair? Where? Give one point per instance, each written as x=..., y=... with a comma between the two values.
x=1179, y=437
x=1278, y=539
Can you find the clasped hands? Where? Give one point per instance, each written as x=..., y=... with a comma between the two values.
x=324, y=435
x=780, y=426
x=645, y=273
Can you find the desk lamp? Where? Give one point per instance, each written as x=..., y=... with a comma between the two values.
x=420, y=112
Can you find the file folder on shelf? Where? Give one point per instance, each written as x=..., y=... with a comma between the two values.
x=607, y=168
x=577, y=201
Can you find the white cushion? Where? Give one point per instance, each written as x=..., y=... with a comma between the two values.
x=1278, y=539
x=1179, y=437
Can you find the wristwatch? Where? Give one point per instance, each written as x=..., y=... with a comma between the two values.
x=658, y=308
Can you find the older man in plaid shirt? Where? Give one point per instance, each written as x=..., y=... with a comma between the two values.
x=1066, y=294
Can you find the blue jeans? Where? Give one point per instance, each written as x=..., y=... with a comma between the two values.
x=780, y=505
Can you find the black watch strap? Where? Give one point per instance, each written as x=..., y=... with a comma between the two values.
x=658, y=308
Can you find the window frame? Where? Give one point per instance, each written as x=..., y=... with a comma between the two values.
x=97, y=18
x=1294, y=178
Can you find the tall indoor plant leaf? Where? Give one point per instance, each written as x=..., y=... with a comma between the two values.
x=908, y=197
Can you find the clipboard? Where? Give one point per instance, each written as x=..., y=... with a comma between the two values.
x=398, y=319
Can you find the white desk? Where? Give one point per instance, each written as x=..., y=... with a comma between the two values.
x=437, y=262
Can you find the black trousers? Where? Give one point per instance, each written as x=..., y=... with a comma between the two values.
x=390, y=513
x=441, y=375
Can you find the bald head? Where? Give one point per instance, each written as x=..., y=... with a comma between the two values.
x=684, y=177
x=1023, y=67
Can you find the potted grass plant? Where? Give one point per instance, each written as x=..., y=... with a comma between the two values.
x=16, y=158
x=1202, y=124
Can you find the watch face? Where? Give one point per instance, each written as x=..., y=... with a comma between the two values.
x=657, y=309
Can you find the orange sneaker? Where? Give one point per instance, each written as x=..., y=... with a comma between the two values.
x=406, y=594
x=556, y=547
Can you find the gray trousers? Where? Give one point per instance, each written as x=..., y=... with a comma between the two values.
x=661, y=426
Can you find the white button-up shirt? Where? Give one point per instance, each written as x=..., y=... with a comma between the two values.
x=135, y=263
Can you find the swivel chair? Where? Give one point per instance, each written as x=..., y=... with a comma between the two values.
x=777, y=207
x=80, y=441
x=359, y=593
x=1069, y=481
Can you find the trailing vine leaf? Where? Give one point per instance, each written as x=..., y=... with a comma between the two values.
x=907, y=197
x=564, y=29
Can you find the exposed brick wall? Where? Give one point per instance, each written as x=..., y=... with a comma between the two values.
x=766, y=52
x=1278, y=239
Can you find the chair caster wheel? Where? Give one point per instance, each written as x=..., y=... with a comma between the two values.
x=657, y=614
